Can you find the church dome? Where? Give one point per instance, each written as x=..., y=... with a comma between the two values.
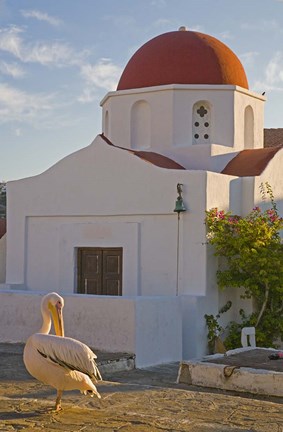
x=183, y=57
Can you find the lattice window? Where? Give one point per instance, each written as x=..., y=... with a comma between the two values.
x=201, y=123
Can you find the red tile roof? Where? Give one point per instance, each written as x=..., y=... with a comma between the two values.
x=249, y=163
x=183, y=57
x=152, y=157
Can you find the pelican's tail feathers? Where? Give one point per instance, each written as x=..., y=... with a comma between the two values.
x=96, y=374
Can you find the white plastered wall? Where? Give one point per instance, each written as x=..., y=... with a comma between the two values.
x=52, y=244
x=206, y=298
x=147, y=269
x=238, y=195
x=119, y=105
x=244, y=99
x=118, y=199
x=251, y=186
x=273, y=174
x=225, y=193
x=114, y=200
x=172, y=107
x=139, y=325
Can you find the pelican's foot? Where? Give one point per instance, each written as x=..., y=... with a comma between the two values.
x=55, y=410
x=58, y=406
x=58, y=401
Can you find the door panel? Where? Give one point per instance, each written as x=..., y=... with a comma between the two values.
x=90, y=278
x=112, y=272
x=100, y=271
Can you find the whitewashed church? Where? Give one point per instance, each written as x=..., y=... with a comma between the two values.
x=102, y=226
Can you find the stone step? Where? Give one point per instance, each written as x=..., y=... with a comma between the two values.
x=243, y=370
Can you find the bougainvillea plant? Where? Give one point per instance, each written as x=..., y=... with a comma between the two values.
x=252, y=253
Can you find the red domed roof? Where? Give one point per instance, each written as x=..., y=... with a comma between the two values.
x=183, y=57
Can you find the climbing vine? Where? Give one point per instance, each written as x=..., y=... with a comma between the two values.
x=253, y=259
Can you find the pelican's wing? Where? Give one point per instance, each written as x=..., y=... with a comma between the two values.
x=68, y=353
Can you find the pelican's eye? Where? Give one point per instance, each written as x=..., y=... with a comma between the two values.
x=59, y=304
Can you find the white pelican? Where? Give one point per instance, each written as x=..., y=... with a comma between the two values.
x=62, y=362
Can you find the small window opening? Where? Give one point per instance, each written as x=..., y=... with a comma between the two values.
x=201, y=123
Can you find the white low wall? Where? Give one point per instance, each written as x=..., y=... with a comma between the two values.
x=149, y=327
x=242, y=379
x=158, y=330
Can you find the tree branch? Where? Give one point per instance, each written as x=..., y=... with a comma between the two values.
x=280, y=309
x=263, y=307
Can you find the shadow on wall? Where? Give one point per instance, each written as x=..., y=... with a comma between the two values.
x=3, y=259
x=2, y=227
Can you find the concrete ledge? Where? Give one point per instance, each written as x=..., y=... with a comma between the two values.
x=117, y=363
x=230, y=377
x=107, y=362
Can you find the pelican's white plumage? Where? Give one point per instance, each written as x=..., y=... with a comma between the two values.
x=62, y=362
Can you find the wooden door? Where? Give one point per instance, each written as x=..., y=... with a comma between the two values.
x=100, y=271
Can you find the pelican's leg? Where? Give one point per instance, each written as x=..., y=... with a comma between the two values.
x=58, y=400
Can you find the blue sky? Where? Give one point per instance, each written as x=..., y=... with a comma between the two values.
x=58, y=58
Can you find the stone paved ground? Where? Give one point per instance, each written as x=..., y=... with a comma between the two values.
x=139, y=400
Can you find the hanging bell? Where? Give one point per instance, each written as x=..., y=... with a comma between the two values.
x=180, y=206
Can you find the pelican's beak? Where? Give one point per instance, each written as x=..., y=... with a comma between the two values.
x=57, y=316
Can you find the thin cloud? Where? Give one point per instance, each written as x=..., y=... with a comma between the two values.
x=226, y=35
x=11, y=69
x=17, y=105
x=20, y=106
x=121, y=22
x=56, y=54
x=274, y=70
x=262, y=25
x=10, y=41
x=42, y=16
x=161, y=22
x=273, y=75
x=248, y=58
x=102, y=75
x=197, y=28
x=18, y=132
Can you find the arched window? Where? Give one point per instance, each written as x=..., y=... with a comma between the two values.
x=140, y=125
x=201, y=123
x=249, y=128
x=106, y=123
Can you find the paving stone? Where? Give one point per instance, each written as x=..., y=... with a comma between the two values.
x=146, y=400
